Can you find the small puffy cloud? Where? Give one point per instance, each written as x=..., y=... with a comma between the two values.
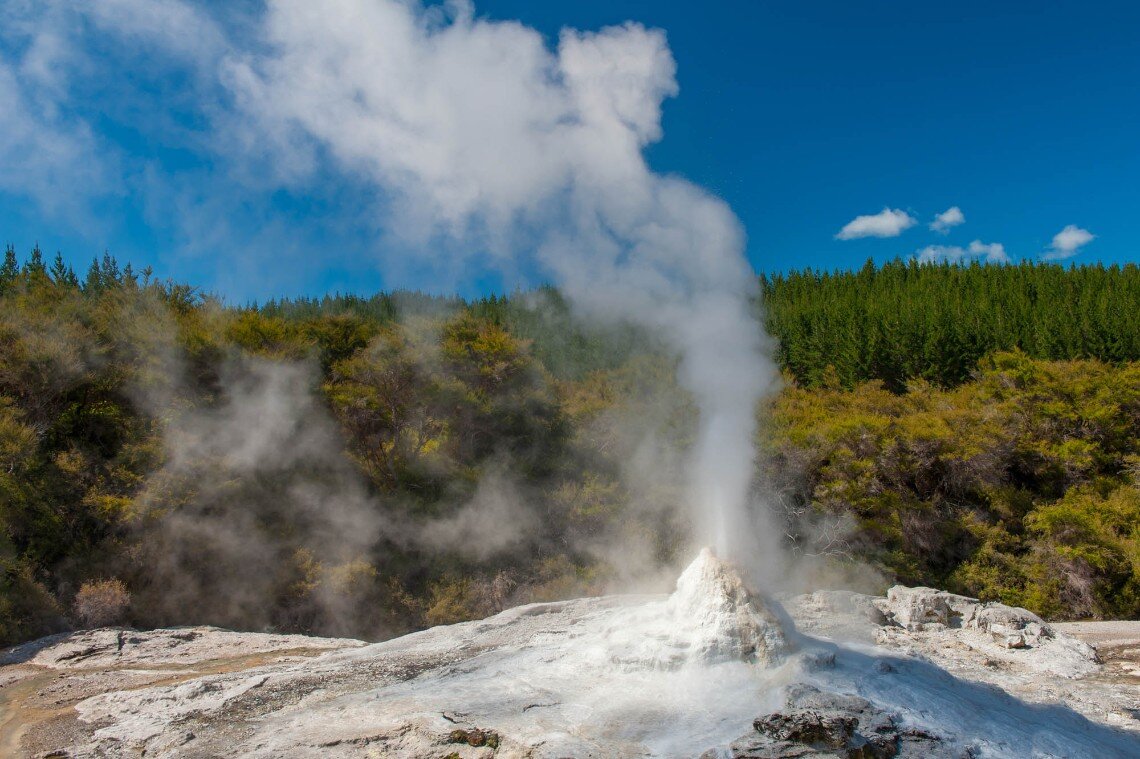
x=990, y=252
x=951, y=217
x=1067, y=242
x=890, y=222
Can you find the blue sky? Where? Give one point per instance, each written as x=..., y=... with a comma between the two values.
x=802, y=116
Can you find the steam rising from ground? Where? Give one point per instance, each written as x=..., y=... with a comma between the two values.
x=482, y=138
x=493, y=521
x=246, y=485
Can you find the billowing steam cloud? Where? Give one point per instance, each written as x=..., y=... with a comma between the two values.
x=482, y=138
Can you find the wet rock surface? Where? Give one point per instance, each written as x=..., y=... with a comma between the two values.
x=711, y=668
x=42, y=682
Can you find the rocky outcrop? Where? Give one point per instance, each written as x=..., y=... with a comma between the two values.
x=985, y=626
x=916, y=609
x=812, y=722
x=913, y=609
x=110, y=648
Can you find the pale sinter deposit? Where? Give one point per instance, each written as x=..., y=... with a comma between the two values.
x=713, y=669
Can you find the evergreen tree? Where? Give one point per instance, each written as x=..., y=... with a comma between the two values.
x=34, y=267
x=10, y=270
x=93, y=283
x=109, y=271
x=907, y=320
x=59, y=270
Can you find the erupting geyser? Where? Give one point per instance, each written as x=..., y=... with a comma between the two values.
x=485, y=139
x=710, y=618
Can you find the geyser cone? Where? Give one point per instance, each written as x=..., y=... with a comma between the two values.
x=711, y=617
x=728, y=620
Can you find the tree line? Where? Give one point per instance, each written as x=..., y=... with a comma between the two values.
x=906, y=320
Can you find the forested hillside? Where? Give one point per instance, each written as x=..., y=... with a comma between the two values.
x=366, y=466
x=908, y=321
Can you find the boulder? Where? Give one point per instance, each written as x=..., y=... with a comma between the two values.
x=1011, y=626
x=914, y=609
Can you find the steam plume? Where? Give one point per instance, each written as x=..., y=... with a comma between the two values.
x=482, y=138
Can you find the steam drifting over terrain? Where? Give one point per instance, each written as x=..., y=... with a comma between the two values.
x=369, y=466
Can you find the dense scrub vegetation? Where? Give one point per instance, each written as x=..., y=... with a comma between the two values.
x=1022, y=485
x=366, y=466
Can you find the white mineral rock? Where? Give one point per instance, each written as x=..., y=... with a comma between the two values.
x=712, y=667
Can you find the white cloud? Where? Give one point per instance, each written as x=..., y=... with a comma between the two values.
x=46, y=154
x=951, y=217
x=178, y=27
x=887, y=223
x=991, y=252
x=1067, y=242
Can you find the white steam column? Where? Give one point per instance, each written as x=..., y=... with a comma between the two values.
x=482, y=138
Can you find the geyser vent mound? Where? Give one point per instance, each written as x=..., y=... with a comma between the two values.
x=727, y=619
x=711, y=617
